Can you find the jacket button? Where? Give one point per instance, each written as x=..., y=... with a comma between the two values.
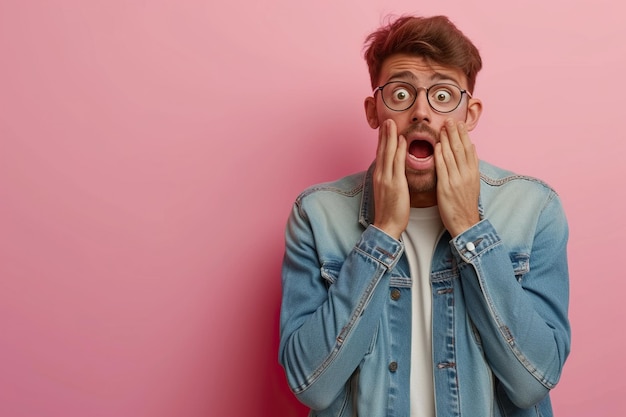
x=393, y=366
x=395, y=294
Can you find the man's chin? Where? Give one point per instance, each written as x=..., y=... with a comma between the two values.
x=421, y=181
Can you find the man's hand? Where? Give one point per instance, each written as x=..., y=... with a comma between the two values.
x=391, y=190
x=458, y=178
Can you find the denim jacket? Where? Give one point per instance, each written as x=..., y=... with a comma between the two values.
x=499, y=304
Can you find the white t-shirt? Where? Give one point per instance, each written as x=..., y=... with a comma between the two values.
x=420, y=238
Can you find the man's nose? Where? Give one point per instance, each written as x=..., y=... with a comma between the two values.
x=420, y=111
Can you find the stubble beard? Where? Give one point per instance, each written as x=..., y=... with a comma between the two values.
x=421, y=181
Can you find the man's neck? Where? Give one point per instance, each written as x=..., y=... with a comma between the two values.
x=421, y=200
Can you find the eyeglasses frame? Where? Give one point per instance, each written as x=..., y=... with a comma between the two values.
x=417, y=89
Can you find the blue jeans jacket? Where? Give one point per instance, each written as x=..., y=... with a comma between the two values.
x=499, y=304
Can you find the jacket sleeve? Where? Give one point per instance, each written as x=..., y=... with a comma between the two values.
x=521, y=320
x=327, y=322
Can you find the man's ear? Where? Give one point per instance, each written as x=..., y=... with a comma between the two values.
x=474, y=110
x=370, y=112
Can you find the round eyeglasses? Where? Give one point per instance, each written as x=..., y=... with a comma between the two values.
x=442, y=97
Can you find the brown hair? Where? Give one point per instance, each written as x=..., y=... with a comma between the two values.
x=434, y=38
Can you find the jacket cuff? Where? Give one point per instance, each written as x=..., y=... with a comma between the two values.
x=474, y=241
x=380, y=246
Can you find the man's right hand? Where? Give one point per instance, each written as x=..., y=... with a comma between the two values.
x=391, y=190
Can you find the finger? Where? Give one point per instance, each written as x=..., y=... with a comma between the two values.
x=392, y=142
x=457, y=146
x=400, y=157
x=447, y=154
x=380, y=150
x=471, y=157
x=440, y=165
x=390, y=147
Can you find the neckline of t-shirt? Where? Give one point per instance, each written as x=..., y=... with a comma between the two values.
x=424, y=213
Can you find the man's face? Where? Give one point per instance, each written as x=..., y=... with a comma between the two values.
x=420, y=124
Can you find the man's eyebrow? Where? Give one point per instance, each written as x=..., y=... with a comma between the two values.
x=403, y=75
x=436, y=76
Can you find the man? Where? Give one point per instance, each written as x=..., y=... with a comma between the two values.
x=432, y=284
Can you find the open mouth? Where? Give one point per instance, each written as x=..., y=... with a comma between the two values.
x=420, y=149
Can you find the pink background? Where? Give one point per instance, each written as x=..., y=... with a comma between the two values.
x=150, y=152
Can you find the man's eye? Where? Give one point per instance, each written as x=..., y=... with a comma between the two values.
x=442, y=96
x=401, y=94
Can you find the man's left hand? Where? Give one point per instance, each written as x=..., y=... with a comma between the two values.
x=458, y=178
